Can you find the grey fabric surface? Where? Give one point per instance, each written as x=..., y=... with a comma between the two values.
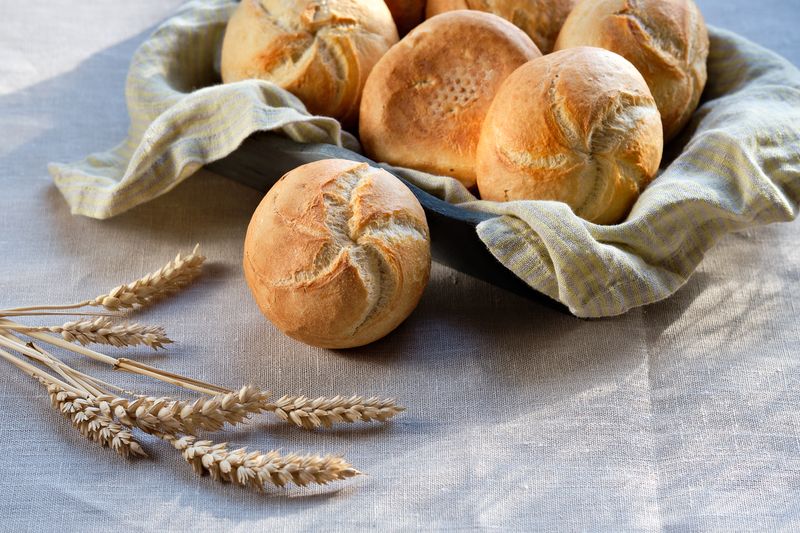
x=680, y=415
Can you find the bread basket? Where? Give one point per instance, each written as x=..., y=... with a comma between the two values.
x=735, y=166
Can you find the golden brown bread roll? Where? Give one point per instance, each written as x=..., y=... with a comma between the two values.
x=407, y=13
x=426, y=99
x=337, y=254
x=578, y=126
x=540, y=19
x=320, y=50
x=666, y=40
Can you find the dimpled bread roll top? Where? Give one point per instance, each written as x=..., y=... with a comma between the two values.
x=337, y=254
x=321, y=51
x=540, y=19
x=425, y=101
x=666, y=40
x=578, y=126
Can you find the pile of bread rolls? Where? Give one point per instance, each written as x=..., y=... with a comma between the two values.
x=466, y=93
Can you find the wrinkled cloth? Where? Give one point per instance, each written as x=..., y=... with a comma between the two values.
x=739, y=168
x=683, y=415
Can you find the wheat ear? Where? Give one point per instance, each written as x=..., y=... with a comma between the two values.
x=160, y=416
x=255, y=469
x=312, y=413
x=144, y=291
x=91, y=416
x=165, y=281
x=103, y=330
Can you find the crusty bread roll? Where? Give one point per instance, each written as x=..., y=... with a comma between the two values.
x=578, y=126
x=540, y=19
x=666, y=40
x=319, y=50
x=407, y=13
x=337, y=254
x=426, y=99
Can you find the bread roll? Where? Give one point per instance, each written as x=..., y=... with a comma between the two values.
x=321, y=50
x=578, y=126
x=407, y=13
x=426, y=99
x=337, y=254
x=540, y=19
x=666, y=40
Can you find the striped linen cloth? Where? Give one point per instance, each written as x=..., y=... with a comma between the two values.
x=737, y=165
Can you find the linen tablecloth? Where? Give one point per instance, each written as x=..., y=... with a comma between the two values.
x=679, y=415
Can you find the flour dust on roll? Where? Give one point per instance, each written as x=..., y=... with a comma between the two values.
x=320, y=50
x=540, y=19
x=407, y=13
x=425, y=101
x=337, y=254
x=667, y=40
x=577, y=126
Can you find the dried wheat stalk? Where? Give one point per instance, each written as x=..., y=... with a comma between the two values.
x=89, y=416
x=102, y=330
x=312, y=413
x=165, y=281
x=255, y=469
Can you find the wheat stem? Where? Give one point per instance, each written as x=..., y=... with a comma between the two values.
x=51, y=362
x=12, y=312
x=26, y=310
x=102, y=387
x=197, y=385
x=129, y=365
x=79, y=379
x=67, y=375
x=61, y=343
x=35, y=372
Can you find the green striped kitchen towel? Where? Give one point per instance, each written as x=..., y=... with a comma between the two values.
x=740, y=166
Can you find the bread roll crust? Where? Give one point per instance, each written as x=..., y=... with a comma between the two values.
x=577, y=126
x=337, y=254
x=540, y=19
x=425, y=101
x=321, y=51
x=666, y=40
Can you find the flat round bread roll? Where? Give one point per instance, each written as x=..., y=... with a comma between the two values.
x=425, y=101
x=321, y=51
x=337, y=254
x=407, y=13
x=577, y=126
x=667, y=40
x=540, y=19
